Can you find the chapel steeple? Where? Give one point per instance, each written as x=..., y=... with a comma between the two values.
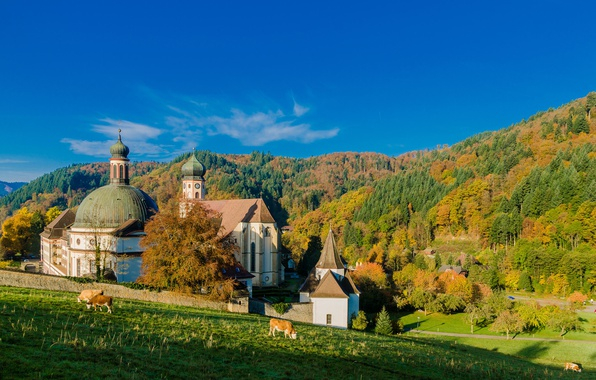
x=119, y=162
x=330, y=260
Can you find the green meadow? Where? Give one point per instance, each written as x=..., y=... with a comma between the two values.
x=543, y=347
x=45, y=334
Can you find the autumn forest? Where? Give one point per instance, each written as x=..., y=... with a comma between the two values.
x=515, y=208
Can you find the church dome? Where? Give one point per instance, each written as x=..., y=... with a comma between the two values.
x=119, y=150
x=193, y=168
x=112, y=205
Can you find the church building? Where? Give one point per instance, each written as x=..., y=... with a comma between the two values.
x=330, y=288
x=107, y=226
x=248, y=221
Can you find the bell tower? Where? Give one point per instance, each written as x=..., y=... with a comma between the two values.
x=193, y=182
x=119, y=162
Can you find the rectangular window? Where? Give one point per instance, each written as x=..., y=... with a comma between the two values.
x=78, y=267
x=328, y=319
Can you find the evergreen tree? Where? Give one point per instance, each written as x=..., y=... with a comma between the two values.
x=384, y=324
x=311, y=256
x=525, y=282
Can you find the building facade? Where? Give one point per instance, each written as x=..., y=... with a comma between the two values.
x=107, y=227
x=248, y=221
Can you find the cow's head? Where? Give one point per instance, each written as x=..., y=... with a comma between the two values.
x=293, y=334
x=88, y=304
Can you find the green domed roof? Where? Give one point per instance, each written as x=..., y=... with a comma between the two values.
x=193, y=168
x=112, y=205
x=119, y=150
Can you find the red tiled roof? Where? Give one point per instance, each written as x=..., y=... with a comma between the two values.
x=234, y=211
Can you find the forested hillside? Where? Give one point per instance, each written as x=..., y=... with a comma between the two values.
x=524, y=196
x=289, y=186
x=64, y=187
x=525, y=193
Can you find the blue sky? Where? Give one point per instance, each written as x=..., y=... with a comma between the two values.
x=292, y=78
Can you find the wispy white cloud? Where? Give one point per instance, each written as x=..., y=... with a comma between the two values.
x=260, y=128
x=133, y=133
x=299, y=110
x=188, y=122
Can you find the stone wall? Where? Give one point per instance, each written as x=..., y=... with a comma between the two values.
x=47, y=282
x=298, y=311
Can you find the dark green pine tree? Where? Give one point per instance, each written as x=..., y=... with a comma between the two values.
x=384, y=324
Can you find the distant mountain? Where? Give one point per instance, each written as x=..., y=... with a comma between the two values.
x=9, y=187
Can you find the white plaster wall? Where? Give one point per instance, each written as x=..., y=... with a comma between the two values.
x=129, y=244
x=353, y=306
x=337, y=307
x=304, y=297
x=128, y=269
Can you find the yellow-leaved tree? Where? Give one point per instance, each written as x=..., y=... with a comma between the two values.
x=187, y=253
x=17, y=234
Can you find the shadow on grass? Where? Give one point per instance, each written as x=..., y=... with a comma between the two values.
x=536, y=350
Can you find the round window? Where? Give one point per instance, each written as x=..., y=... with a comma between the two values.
x=78, y=241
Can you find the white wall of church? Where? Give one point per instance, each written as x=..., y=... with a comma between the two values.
x=337, y=308
x=353, y=306
x=128, y=269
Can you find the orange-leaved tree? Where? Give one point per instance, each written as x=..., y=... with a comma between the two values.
x=187, y=253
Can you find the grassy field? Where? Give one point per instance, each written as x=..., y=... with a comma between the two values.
x=456, y=324
x=47, y=334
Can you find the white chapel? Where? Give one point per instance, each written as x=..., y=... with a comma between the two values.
x=330, y=289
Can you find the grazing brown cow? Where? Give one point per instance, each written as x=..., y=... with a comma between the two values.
x=100, y=300
x=281, y=325
x=573, y=367
x=87, y=294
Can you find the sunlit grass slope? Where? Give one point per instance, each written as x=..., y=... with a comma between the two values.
x=48, y=335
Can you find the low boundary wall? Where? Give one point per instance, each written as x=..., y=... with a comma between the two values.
x=47, y=282
x=298, y=311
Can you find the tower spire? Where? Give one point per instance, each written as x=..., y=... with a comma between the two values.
x=119, y=162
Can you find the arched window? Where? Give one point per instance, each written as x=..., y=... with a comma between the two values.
x=113, y=171
x=197, y=194
x=121, y=171
x=126, y=171
x=252, y=256
x=267, y=232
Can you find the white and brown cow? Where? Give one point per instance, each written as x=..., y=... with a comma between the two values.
x=573, y=367
x=87, y=294
x=100, y=300
x=281, y=325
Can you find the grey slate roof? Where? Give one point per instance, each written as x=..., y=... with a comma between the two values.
x=57, y=226
x=330, y=256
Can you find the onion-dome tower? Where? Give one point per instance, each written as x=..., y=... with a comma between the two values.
x=193, y=182
x=119, y=162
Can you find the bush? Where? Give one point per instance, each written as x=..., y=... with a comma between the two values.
x=384, y=325
x=360, y=322
x=281, y=307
